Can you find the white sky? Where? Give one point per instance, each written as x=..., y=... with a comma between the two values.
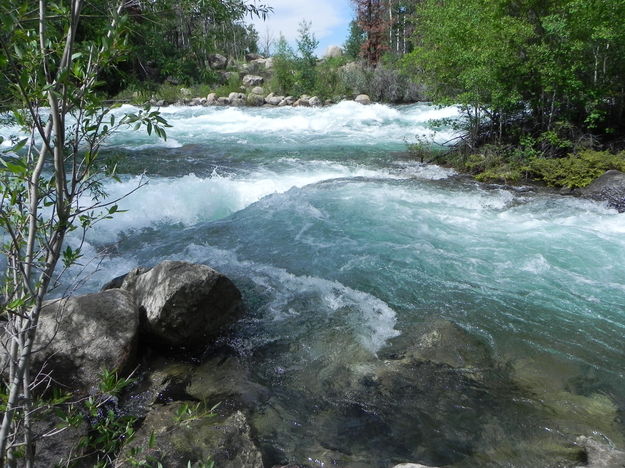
x=330, y=20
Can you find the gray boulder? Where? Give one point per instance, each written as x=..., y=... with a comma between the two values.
x=179, y=440
x=211, y=99
x=253, y=80
x=80, y=336
x=223, y=101
x=185, y=304
x=274, y=100
x=315, y=101
x=255, y=100
x=258, y=90
x=217, y=62
x=363, y=99
x=233, y=96
x=251, y=57
x=609, y=187
x=333, y=51
x=302, y=102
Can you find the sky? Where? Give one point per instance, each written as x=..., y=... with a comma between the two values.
x=330, y=21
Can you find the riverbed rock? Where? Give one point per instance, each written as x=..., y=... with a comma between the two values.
x=255, y=100
x=600, y=454
x=610, y=187
x=211, y=99
x=226, y=380
x=223, y=101
x=412, y=465
x=217, y=62
x=315, y=101
x=253, y=80
x=442, y=342
x=274, y=100
x=258, y=90
x=233, y=96
x=195, y=439
x=363, y=99
x=302, y=102
x=80, y=336
x=185, y=304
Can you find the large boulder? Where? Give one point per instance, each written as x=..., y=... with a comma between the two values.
x=315, y=101
x=223, y=101
x=233, y=96
x=185, y=304
x=274, y=100
x=333, y=51
x=211, y=99
x=609, y=187
x=181, y=438
x=253, y=80
x=363, y=99
x=258, y=90
x=78, y=337
x=255, y=100
x=252, y=56
x=217, y=62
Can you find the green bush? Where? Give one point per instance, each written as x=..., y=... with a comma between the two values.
x=576, y=170
x=233, y=85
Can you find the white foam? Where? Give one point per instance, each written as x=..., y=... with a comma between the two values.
x=371, y=319
x=346, y=123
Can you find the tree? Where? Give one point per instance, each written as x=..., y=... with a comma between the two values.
x=372, y=19
x=355, y=40
x=550, y=71
x=51, y=180
x=284, y=66
x=307, y=43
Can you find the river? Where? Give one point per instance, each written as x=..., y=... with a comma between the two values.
x=346, y=250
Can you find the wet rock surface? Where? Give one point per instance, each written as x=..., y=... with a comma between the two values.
x=184, y=433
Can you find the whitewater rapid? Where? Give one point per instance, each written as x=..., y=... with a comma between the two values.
x=342, y=244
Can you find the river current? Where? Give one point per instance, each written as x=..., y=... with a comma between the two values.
x=347, y=251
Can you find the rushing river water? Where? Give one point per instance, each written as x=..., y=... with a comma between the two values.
x=347, y=252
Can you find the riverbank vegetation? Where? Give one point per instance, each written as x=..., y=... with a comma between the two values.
x=540, y=84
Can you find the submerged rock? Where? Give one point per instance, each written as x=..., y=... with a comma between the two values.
x=186, y=433
x=601, y=455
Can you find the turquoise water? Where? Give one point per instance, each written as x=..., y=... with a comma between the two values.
x=346, y=250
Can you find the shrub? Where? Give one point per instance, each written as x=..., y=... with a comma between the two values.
x=576, y=170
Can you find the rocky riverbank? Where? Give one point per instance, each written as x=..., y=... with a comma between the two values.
x=194, y=398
